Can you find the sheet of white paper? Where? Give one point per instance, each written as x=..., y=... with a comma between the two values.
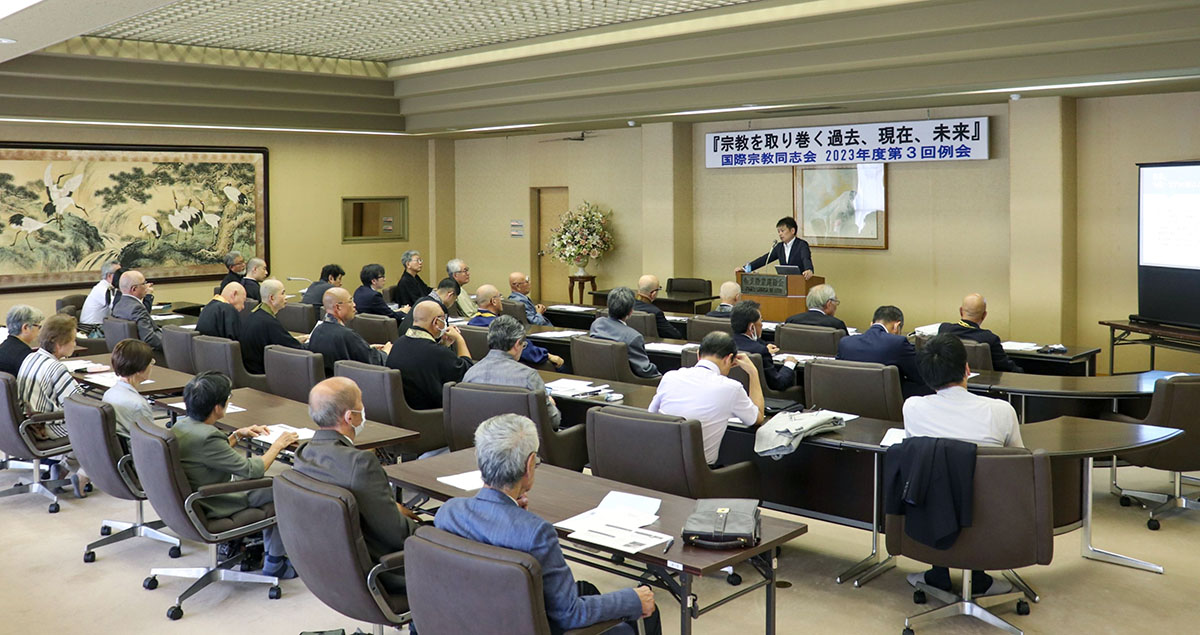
x=623, y=540
x=665, y=347
x=467, y=481
x=612, y=517
x=279, y=428
x=574, y=387
x=845, y=416
x=893, y=436
x=680, y=319
x=167, y=316
x=769, y=326
x=972, y=375
x=3, y=332
x=563, y=334
x=74, y=365
x=190, y=327
x=456, y=320
x=393, y=306
x=645, y=504
x=572, y=308
x=158, y=307
x=929, y=330
x=1020, y=346
x=179, y=405
x=850, y=330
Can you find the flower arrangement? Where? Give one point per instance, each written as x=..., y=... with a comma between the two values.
x=583, y=235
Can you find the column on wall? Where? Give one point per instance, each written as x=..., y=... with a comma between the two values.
x=667, y=199
x=1042, y=220
x=441, y=209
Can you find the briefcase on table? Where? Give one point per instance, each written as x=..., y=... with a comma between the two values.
x=723, y=523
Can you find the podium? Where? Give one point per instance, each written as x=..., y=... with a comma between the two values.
x=781, y=296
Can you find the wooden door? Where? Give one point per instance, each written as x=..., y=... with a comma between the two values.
x=550, y=280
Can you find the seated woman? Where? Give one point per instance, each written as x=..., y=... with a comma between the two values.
x=131, y=361
x=44, y=383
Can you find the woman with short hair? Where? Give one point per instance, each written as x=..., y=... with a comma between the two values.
x=131, y=362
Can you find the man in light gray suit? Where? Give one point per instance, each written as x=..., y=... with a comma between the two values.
x=336, y=405
x=613, y=327
x=134, y=290
x=506, y=341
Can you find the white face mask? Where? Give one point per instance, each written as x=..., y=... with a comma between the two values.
x=362, y=424
x=754, y=333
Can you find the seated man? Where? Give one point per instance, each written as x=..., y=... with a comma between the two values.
x=731, y=293
x=461, y=273
x=648, y=289
x=954, y=413
x=368, y=298
x=973, y=311
x=704, y=392
x=822, y=304
x=262, y=328
x=222, y=316
x=519, y=283
x=256, y=272
x=335, y=341
x=506, y=340
x=99, y=299
x=336, y=405
x=235, y=265
x=746, y=319
x=488, y=300
x=882, y=343
x=331, y=276
x=445, y=294
x=132, y=306
x=506, y=450
x=24, y=323
x=423, y=356
x=613, y=327
x=208, y=457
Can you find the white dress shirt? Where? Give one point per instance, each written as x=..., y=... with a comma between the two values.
x=701, y=392
x=96, y=306
x=787, y=249
x=955, y=413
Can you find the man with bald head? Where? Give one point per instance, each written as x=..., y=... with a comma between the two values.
x=487, y=299
x=330, y=457
x=647, y=290
x=335, y=341
x=256, y=272
x=971, y=314
x=221, y=317
x=731, y=294
x=520, y=285
x=424, y=357
x=261, y=328
x=134, y=289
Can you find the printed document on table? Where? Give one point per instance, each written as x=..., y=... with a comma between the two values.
x=620, y=539
x=575, y=388
x=929, y=330
x=558, y=335
x=277, y=430
x=617, y=510
x=167, y=316
x=678, y=319
x=769, y=326
x=893, y=436
x=76, y=365
x=1019, y=346
x=109, y=379
x=179, y=405
x=572, y=308
x=467, y=481
x=666, y=347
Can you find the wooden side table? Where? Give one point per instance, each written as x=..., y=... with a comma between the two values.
x=581, y=281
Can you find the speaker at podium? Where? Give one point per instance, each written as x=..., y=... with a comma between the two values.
x=780, y=294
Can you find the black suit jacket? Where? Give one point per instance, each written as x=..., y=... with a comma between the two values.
x=877, y=345
x=813, y=317
x=801, y=256
x=410, y=289
x=931, y=482
x=778, y=377
x=368, y=300
x=260, y=330
x=252, y=291
x=968, y=330
x=230, y=277
x=12, y=352
x=665, y=328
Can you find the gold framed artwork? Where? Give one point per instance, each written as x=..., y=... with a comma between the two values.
x=172, y=212
x=841, y=206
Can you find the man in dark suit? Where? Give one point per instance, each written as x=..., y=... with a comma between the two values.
x=788, y=250
x=335, y=341
x=822, y=303
x=132, y=306
x=883, y=344
x=369, y=299
x=262, y=328
x=331, y=276
x=222, y=316
x=973, y=311
x=648, y=289
x=330, y=457
x=613, y=327
x=731, y=293
x=746, y=319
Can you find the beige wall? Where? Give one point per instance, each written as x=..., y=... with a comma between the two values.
x=1115, y=134
x=948, y=225
x=309, y=174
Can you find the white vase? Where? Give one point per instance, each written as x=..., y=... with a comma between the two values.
x=580, y=269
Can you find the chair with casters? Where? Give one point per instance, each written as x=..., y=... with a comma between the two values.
x=22, y=450
x=177, y=347
x=383, y=397
x=476, y=338
x=1175, y=404
x=225, y=356
x=331, y=556
x=453, y=581
x=298, y=317
x=667, y=457
x=515, y=309
x=468, y=405
x=604, y=359
x=1011, y=527
x=866, y=389
x=92, y=425
x=116, y=329
x=803, y=338
x=702, y=325
x=156, y=455
x=292, y=372
x=375, y=329
x=639, y=321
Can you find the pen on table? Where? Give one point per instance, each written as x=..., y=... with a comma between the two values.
x=670, y=543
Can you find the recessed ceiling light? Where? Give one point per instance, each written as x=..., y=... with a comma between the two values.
x=4, y=40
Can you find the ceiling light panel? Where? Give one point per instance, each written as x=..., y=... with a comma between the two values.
x=383, y=30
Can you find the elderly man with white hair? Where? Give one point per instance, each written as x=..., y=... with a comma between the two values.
x=134, y=290
x=647, y=291
x=24, y=323
x=501, y=366
x=731, y=294
x=506, y=449
x=261, y=328
x=822, y=303
x=488, y=297
x=461, y=273
x=99, y=299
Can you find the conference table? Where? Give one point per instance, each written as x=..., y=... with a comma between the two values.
x=1039, y=397
x=162, y=381
x=690, y=302
x=560, y=494
x=1178, y=338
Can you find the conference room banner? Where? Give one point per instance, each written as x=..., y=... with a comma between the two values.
x=888, y=142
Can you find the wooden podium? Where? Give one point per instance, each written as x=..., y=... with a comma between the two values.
x=780, y=295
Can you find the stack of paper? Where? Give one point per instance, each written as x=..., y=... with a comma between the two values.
x=572, y=308
x=167, y=316
x=467, y=481
x=76, y=365
x=575, y=388
x=666, y=347
x=179, y=405
x=680, y=319
x=1020, y=346
x=277, y=430
x=109, y=379
x=769, y=326
x=558, y=335
x=617, y=523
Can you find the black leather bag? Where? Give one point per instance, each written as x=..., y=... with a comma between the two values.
x=723, y=523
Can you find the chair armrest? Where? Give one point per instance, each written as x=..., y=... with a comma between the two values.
x=125, y=469
x=387, y=562
x=31, y=443
x=232, y=487
x=573, y=441
x=209, y=491
x=44, y=417
x=740, y=480
x=390, y=561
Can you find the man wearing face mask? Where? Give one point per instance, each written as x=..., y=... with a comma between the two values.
x=336, y=405
x=424, y=357
x=746, y=319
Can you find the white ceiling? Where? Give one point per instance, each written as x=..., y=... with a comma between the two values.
x=383, y=30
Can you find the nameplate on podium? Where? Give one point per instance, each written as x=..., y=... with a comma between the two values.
x=764, y=284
